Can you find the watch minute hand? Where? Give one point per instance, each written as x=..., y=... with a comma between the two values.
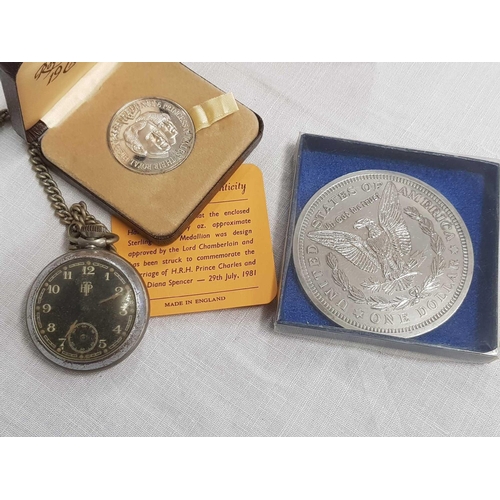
x=112, y=297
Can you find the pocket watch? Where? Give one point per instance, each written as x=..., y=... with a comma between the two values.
x=89, y=308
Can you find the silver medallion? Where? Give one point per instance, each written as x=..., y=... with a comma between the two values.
x=383, y=252
x=151, y=135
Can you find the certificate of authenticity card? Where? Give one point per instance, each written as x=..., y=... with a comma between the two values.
x=223, y=259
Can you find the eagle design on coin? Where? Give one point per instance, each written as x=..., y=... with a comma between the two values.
x=383, y=252
x=385, y=247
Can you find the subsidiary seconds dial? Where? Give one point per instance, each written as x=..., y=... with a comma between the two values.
x=87, y=311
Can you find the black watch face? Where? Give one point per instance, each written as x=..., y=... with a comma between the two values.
x=84, y=310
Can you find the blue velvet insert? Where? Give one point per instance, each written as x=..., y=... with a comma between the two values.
x=470, y=185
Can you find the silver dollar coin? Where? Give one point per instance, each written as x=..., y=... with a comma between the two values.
x=383, y=252
x=151, y=135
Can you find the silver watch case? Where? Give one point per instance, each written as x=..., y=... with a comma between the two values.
x=141, y=318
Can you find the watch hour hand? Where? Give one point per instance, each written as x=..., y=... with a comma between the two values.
x=71, y=328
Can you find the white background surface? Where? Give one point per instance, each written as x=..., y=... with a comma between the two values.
x=227, y=372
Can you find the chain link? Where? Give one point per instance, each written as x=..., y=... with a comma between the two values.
x=78, y=213
x=79, y=221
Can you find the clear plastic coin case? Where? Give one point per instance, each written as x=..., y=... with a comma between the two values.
x=325, y=301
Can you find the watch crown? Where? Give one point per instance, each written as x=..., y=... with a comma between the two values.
x=93, y=231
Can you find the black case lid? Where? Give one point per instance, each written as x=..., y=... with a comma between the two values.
x=31, y=89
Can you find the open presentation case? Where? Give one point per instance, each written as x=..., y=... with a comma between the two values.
x=68, y=108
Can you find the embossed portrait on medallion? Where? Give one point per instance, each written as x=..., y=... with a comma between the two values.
x=151, y=135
